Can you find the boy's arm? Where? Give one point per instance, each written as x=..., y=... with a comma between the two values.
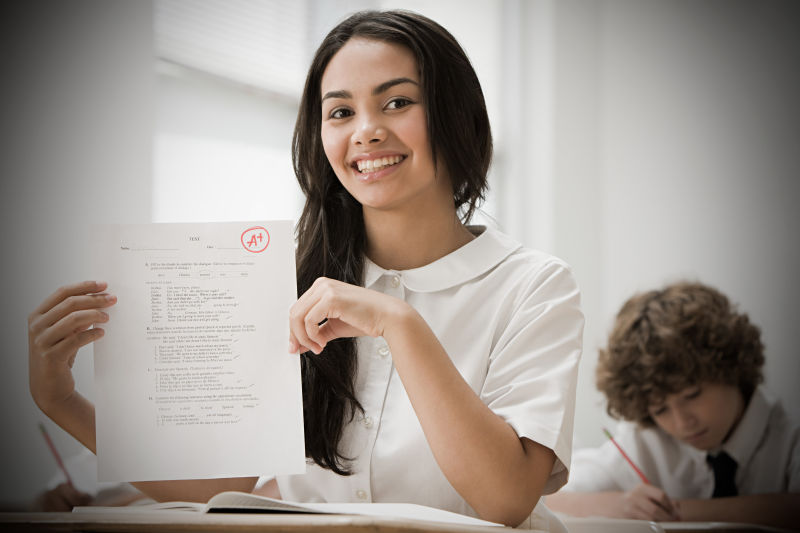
x=583, y=504
x=775, y=510
x=645, y=502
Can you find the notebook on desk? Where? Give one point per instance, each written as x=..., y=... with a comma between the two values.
x=243, y=502
x=718, y=527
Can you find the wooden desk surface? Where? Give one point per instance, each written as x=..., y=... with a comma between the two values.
x=187, y=521
x=170, y=521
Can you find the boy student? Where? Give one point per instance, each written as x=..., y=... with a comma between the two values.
x=682, y=369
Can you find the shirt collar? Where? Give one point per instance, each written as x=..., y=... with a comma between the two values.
x=478, y=256
x=741, y=445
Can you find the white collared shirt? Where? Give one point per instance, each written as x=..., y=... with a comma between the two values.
x=510, y=320
x=765, y=445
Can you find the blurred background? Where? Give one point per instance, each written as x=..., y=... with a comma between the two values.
x=642, y=141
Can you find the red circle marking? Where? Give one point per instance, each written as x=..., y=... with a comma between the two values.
x=255, y=239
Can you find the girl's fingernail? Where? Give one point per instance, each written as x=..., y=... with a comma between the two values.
x=111, y=298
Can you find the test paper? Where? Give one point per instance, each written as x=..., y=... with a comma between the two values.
x=193, y=377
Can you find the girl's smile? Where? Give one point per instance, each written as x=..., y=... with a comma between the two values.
x=374, y=166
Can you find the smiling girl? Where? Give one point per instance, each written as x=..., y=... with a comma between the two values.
x=439, y=359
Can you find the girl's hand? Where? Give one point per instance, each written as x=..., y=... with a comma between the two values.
x=346, y=310
x=648, y=502
x=61, y=499
x=56, y=330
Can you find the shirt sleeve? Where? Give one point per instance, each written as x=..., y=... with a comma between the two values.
x=533, y=367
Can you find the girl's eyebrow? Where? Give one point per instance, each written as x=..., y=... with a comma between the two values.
x=383, y=87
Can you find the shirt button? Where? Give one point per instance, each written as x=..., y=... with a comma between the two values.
x=361, y=495
x=368, y=422
x=395, y=281
x=383, y=351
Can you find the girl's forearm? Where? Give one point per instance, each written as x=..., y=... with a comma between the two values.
x=497, y=473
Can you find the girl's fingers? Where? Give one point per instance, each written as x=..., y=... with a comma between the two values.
x=313, y=323
x=84, y=287
x=326, y=333
x=69, y=325
x=72, y=304
x=295, y=347
x=317, y=316
x=303, y=342
x=65, y=349
x=333, y=328
x=297, y=325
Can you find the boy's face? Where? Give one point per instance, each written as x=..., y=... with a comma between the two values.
x=702, y=416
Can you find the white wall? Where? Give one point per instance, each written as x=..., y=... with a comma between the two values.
x=677, y=129
x=77, y=134
x=222, y=151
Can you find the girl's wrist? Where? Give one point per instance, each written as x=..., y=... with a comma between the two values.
x=399, y=320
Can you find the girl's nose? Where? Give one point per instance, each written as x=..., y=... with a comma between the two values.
x=369, y=131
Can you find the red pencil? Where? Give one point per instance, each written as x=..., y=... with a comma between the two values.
x=625, y=455
x=55, y=454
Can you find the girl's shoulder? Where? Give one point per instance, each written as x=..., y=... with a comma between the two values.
x=530, y=265
x=510, y=253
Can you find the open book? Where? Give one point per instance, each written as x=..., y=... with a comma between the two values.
x=243, y=502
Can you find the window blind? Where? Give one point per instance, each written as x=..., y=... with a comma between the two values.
x=257, y=43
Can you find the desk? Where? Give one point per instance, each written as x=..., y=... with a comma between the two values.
x=166, y=521
x=620, y=525
x=186, y=521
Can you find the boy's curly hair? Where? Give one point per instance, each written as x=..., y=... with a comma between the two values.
x=667, y=340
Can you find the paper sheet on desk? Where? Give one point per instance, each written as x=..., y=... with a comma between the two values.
x=193, y=379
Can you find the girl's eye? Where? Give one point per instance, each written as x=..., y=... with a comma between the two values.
x=658, y=412
x=341, y=112
x=398, y=103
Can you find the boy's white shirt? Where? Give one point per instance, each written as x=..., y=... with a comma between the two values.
x=765, y=445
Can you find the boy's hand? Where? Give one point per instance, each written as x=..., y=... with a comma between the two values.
x=648, y=502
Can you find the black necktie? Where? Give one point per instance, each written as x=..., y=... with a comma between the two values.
x=724, y=468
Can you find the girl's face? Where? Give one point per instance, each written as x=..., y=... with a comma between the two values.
x=374, y=129
x=703, y=416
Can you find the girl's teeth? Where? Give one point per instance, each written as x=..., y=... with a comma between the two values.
x=373, y=165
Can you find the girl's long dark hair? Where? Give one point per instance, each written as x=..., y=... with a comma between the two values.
x=331, y=237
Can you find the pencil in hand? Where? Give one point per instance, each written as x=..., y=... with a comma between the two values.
x=55, y=454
